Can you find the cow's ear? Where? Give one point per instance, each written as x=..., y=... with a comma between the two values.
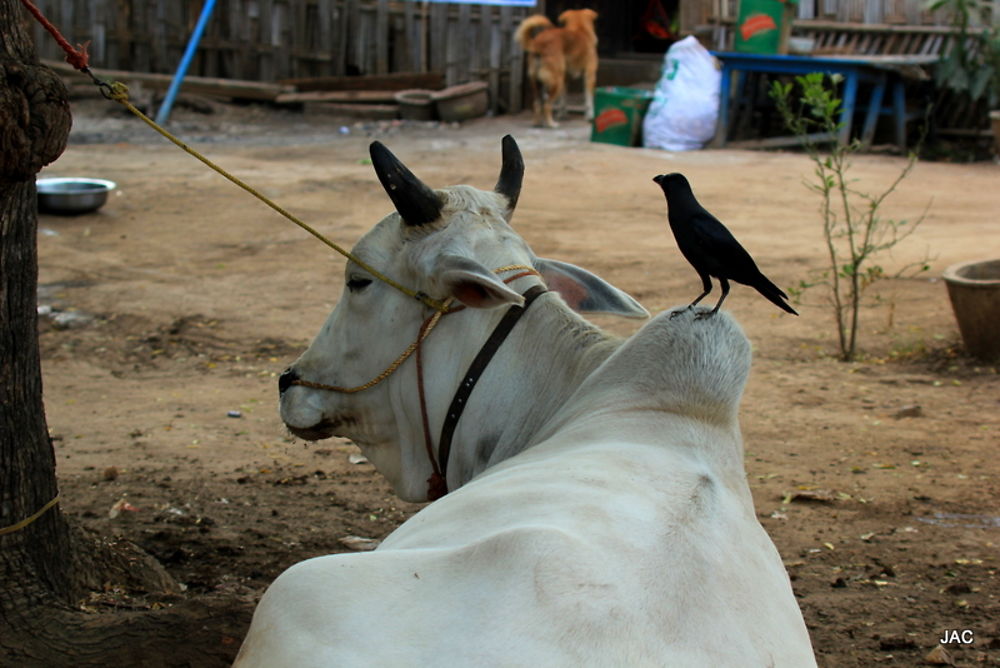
x=585, y=292
x=473, y=284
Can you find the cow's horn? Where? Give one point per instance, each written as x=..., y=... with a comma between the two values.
x=511, y=173
x=414, y=201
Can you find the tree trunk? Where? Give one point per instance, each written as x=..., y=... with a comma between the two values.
x=34, y=125
x=45, y=565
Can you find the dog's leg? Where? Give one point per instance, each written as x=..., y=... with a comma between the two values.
x=589, y=81
x=537, y=95
x=562, y=112
x=556, y=93
x=540, y=96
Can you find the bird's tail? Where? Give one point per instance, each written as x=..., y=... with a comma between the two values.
x=774, y=294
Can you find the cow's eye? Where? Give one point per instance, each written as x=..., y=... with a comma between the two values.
x=356, y=283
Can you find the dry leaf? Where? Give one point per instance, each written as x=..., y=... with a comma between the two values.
x=119, y=506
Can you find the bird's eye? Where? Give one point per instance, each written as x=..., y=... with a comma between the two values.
x=356, y=283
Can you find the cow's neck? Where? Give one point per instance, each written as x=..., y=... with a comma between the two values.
x=698, y=392
x=545, y=359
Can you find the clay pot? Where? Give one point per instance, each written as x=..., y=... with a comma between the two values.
x=416, y=104
x=462, y=102
x=974, y=290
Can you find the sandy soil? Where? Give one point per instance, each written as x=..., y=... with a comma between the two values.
x=172, y=309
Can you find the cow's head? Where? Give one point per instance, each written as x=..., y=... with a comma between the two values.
x=443, y=243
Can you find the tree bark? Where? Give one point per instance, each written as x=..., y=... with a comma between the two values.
x=34, y=126
x=46, y=566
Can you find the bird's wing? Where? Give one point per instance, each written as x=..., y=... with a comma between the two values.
x=721, y=251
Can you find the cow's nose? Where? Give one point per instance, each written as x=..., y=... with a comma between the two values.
x=285, y=380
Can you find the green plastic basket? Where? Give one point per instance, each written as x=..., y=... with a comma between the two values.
x=618, y=114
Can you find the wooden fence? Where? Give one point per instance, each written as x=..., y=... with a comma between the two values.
x=272, y=40
x=892, y=12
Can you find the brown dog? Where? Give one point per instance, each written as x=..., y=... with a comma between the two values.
x=556, y=52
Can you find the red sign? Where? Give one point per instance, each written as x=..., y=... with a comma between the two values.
x=756, y=23
x=609, y=119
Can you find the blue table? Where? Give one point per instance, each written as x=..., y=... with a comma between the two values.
x=882, y=72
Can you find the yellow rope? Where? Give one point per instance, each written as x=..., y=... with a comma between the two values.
x=389, y=370
x=410, y=349
x=25, y=522
x=118, y=92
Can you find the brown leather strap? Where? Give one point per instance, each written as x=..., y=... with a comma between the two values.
x=476, y=370
x=436, y=486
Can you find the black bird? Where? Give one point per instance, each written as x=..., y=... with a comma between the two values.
x=710, y=247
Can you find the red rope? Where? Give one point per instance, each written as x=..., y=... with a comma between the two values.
x=78, y=57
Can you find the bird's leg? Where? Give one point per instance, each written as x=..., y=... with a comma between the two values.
x=724, y=284
x=706, y=283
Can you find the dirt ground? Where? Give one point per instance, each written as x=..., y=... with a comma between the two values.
x=169, y=313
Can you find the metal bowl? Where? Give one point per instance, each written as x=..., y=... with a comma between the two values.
x=72, y=195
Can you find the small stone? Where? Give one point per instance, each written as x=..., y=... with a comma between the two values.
x=110, y=473
x=939, y=656
x=359, y=543
x=911, y=411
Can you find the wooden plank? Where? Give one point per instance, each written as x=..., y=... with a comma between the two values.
x=876, y=27
x=99, y=46
x=341, y=39
x=302, y=48
x=282, y=33
x=873, y=11
x=437, y=38
x=396, y=81
x=452, y=54
x=324, y=33
x=265, y=40
x=483, y=41
x=344, y=96
x=140, y=33
x=123, y=36
x=158, y=61
x=382, y=37
x=368, y=111
x=506, y=43
x=411, y=28
x=465, y=45
x=244, y=90
x=494, y=77
x=355, y=51
x=365, y=41
x=516, y=75
x=779, y=142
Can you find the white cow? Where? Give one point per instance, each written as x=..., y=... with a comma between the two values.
x=599, y=513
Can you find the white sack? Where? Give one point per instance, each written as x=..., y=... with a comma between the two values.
x=685, y=107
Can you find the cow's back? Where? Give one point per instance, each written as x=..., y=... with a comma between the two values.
x=609, y=553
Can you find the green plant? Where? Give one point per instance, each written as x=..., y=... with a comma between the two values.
x=972, y=65
x=854, y=231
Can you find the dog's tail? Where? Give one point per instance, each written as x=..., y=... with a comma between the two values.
x=530, y=27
